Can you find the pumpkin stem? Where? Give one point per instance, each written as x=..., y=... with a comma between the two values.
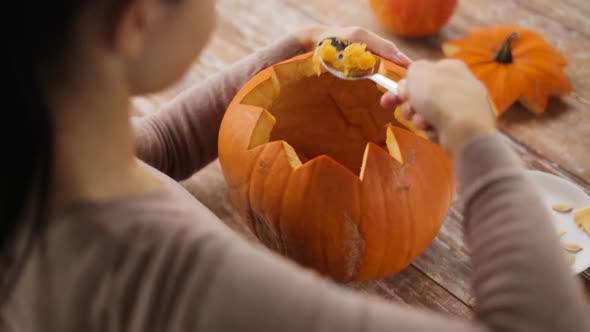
x=504, y=55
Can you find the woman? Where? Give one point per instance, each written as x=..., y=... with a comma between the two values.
x=95, y=240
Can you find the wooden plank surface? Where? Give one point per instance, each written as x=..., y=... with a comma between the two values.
x=557, y=142
x=572, y=14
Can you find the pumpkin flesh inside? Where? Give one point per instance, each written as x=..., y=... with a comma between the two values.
x=323, y=115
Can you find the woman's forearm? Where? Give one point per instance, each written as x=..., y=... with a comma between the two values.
x=182, y=137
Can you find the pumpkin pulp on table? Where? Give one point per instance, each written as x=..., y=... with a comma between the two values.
x=324, y=175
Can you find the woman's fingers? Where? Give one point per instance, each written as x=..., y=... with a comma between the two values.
x=420, y=122
x=407, y=111
x=383, y=47
x=432, y=135
x=390, y=100
x=402, y=89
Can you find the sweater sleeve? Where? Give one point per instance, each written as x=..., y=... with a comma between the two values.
x=522, y=280
x=182, y=137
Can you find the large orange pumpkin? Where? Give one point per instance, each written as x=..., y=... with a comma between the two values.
x=324, y=175
x=515, y=64
x=413, y=18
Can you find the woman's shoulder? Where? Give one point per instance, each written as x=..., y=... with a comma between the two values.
x=107, y=255
x=147, y=219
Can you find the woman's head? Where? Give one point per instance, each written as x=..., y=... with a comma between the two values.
x=139, y=46
x=157, y=40
x=146, y=44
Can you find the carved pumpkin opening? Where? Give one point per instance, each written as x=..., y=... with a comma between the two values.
x=322, y=115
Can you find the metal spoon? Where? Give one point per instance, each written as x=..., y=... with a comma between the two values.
x=382, y=80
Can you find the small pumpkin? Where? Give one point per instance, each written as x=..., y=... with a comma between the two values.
x=414, y=18
x=324, y=175
x=515, y=64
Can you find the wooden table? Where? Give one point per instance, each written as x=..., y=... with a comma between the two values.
x=558, y=142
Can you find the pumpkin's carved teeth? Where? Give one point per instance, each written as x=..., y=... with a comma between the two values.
x=261, y=135
x=262, y=130
x=292, y=156
x=320, y=115
x=364, y=164
x=265, y=94
x=393, y=146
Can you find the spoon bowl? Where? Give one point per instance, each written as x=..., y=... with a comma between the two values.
x=370, y=74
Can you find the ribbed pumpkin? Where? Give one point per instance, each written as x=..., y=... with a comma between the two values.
x=324, y=175
x=413, y=18
x=515, y=64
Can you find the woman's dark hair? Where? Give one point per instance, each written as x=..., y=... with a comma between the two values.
x=44, y=33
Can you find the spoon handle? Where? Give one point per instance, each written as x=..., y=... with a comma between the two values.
x=385, y=82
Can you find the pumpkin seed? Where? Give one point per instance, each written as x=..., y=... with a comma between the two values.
x=571, y=258
x=562, y=232
x=572, y=247
x=582, y=219
x=582, y=215
x=563, y=207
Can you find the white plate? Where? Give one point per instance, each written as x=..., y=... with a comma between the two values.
x=555, y=190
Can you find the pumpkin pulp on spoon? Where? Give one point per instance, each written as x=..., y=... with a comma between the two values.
x=352, y=60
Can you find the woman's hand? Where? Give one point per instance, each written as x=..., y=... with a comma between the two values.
x=446, y=100
x=311, y=36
